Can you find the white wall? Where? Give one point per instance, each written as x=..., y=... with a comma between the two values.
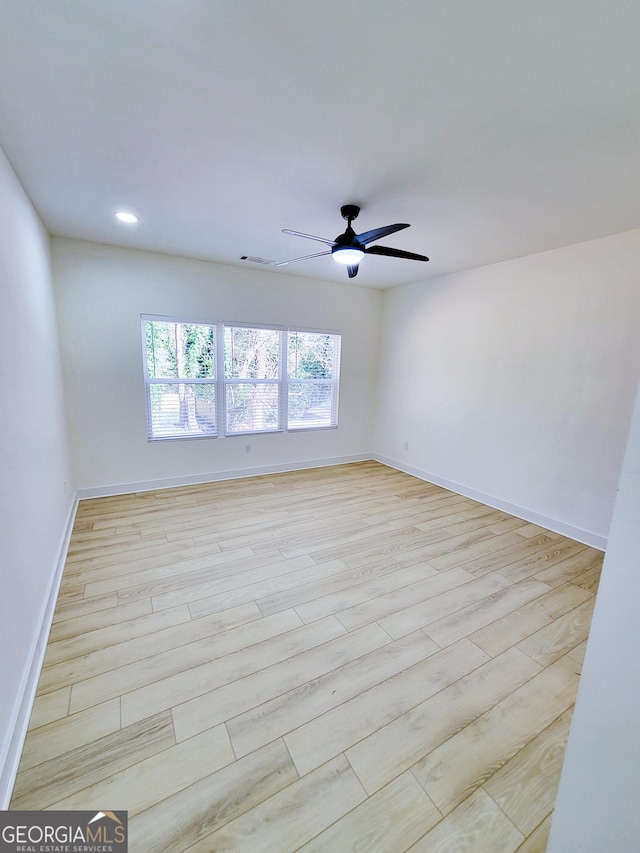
x=597, y=805
x=101, y=293
x=515, y=382
x=35, y=489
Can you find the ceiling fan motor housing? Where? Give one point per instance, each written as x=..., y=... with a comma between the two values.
x=347, y=249
x=349, y=211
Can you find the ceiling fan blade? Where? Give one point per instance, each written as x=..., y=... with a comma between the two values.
x=377, y=233
x=395, y=253
x=303, y=258
x=308, y=236
x=352, y=269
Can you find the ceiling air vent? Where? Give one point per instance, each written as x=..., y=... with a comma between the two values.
x=264, y=261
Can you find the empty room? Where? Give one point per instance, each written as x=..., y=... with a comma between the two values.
x=302, y=549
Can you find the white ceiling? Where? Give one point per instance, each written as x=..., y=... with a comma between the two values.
x=497, y=128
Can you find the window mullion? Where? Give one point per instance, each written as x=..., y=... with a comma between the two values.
x=283, y=388
x=221, y=385
x=335, y=388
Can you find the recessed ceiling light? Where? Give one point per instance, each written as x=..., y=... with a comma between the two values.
x=129, y=218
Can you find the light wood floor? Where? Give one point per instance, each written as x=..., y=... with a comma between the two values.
x=342, y=659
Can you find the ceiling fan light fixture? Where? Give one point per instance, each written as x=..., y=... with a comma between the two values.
x=347, y=255
x=127, y=217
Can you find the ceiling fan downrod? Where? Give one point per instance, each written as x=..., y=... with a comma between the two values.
x=349, y=212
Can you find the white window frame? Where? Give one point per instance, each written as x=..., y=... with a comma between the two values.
x=150, y=381
x=221, y=381
x=334, y=382
x=227, y=381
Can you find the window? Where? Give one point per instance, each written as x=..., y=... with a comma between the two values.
x=180, y=377
x=252, y=379
x=313, y=360
x=247, y=378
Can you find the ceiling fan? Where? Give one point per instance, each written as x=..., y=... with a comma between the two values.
x=349, y=248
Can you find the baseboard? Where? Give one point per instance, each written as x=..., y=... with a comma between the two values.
x=27, y=690
x=215, y=476
x=585, y=536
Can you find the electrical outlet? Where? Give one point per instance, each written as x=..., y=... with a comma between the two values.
x=247, y=448
x=406, y=445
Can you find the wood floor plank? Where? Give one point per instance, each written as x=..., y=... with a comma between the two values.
x=121, y=554
x=291, y=817
x=343, y=726
x=153, y=521
x=374, y=599
x=589, y=580
x=530, y=530
x=296, y=539
x=406, y=740
x=389, y=543
x=191, y=814
x=525, y=788
x=70, y=596
x=285, y=713
x=114, y=634
x=474, y=616
x=577, y=654
x=130, y=549
x=571, y=567
x=423, y=613
x=247, y=571
x=134, y=577
x=456, y=768
x=392, y=819
x=158, y=669
x=411, y=512
x=487, y=522
x=85, y=606
x=63, y=735
x=233, y=522
x=512, y=628
x=239, y=528
x=179, y=632
x=150, y=780
x=344, y=658
x=368, y=581
x=562, y=635
x=476, y=826
x=510, y=523
x=186, y=684
x=80, y=625
x=242, y=695
x=538, y=840
x=428, y=547
x=467, y=511
x=556, y=551
x=479, y=552
x=286, y=580
x=48, y=707
x=523, y=553
x=98, y=759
